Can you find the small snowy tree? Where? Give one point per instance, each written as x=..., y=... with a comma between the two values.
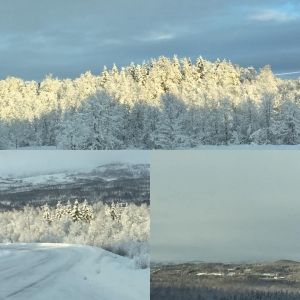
x=59, y=212
x=47, y=214
x=76, y=213
x=68, y=209
x=86, y=212
x=114, y=211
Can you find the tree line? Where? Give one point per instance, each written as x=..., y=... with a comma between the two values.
x=171, y=293
x=161, y=104
x=123, y=230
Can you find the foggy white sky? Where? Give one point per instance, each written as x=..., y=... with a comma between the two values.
x=20, y=163
x=225, y=205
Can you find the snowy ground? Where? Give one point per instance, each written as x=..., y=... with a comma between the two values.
x=200, y=147
x=61, y=271
x=246, y=147
x=34, y=148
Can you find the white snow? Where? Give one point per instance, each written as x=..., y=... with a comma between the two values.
x=53, y=178
x=245, y=147
x=4, y=252
x=62, y=271
x=200, y=147
x=34, y=148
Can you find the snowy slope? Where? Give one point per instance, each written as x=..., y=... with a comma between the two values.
x=107, y=172
x=245, y=147
x=123, y=181
x=61, y=271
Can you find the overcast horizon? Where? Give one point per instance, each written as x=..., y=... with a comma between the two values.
x=25, y=163
x=68, y=38
x=225, y=206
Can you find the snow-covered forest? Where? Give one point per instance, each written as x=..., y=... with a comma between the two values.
x=122, y=230
x=161, y=104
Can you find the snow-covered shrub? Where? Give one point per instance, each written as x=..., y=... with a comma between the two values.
x=126, y=232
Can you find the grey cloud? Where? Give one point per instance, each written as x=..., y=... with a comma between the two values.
x=70, y=37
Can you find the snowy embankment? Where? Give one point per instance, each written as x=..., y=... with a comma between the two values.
x=245, y=147
x=62, y=271
x=200, y=147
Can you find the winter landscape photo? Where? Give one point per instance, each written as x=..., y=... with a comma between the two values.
x=224, y=225
x=74, y=224
x=99, y=75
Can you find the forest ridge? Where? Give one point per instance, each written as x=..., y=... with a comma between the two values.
x=161, y=104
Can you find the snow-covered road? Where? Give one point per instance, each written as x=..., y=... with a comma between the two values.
x=60, y=271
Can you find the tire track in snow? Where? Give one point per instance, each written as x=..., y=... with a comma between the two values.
x=30, y=268
x=76, y=258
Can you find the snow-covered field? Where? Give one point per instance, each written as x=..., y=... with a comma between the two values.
x=246, y=147
x=200, y=147
x=35, y=148
x=62, y=271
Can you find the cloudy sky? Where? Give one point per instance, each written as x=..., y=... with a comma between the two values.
x=225, y=206
x=67, y=38
x=20, y=163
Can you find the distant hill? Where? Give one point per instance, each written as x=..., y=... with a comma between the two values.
x=271, y=276
x=114, y=182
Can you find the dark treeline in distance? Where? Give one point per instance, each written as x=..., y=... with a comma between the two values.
x=162, y=104
x=122, y=183
x=216, y=281
x=215, y=294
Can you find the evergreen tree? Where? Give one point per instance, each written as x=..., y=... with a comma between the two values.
x=68, y=209
x=4, y=140
x=267, y=118
x=288, y=129
x=76, y=213
x=47, y=214
x=86, y=212
x=170, y=132
x=104, y=77
x=114, y=70
x=200, y=67
x=59, y=211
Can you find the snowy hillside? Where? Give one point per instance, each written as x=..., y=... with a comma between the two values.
x=62, y=271
x=114, y=182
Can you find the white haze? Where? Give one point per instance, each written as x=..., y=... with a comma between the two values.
x=225, y=206
x=23, y=163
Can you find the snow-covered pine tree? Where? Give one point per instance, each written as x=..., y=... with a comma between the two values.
x=131, y=70
x=67, y=209
x=59, y=212
x=136, y=122
x=267, y=118
x=114, y=71
x=200, y=67
x=104, y=77
x=107, y=211
x=151, y=119
x=113, y=211
x=4, y=140
x=76, y=213
x=86, y=211
x=170, y=132
x=288, y=129
x=47, y=214
x=118, y=212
